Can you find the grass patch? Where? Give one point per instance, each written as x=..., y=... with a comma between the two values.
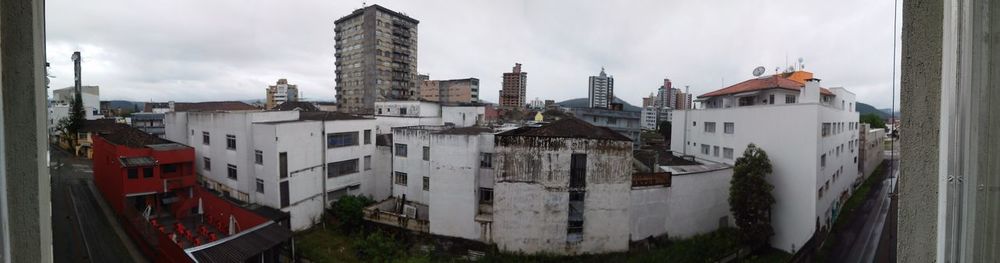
x=325, y=245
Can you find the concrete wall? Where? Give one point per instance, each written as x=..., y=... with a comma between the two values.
x=453, y=200
x=531, y=195
x=920, y=90
x=25, y=184
x=463, y=116
x=786, y=140
x=695, y=203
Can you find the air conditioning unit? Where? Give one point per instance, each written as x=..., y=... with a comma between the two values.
x=409, y=211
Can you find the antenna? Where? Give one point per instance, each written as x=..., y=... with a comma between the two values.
x=758, y=71
x=800, y=63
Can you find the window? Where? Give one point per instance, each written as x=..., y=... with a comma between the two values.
x=207, y=163
x=728, y=127
x=284, y=193
x=427, y=183
x=694, y=123
x=485, y=195
x=789, y=99
x=727, y=153
x=612, y=121
x=771, y=99
x=705, y=149
x=341, y=139
x=400, y=178
x=335, y=169
x=166, y=168
x=368, y=162
x=715, y=151
x=205, y=139
x=402, y=111
x=231, y=171
x=574, y=226
x=826, y=129
x=822, y=161
x=427, y=153
x=133, y=173
x=192, y=132
x=260, y=186
x=709, y=126
x=230, y=142
x=368, y=136
x=578, y=170
x=258, y=157
x=147, y=172
x=283, y=165
x=486, y=160
x=401, y=150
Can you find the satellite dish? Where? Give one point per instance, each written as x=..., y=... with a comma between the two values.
x=758, y=71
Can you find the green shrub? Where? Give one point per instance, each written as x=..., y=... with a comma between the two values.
x=349, y=210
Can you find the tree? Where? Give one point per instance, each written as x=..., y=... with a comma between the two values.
x=664, y=129
x=873, y=120
x=750, y=197
x=75, y=123
x=349, y=210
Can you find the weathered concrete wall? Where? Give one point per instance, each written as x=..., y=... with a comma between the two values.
x=920, y=90
x=531, y=195
x=453, y=174
x=695, y=203
x=26, y=202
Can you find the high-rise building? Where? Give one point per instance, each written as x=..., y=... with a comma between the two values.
x=514, y=88
x=376, y=58
x=450, y=91
x=601, y=90
x=280, y=93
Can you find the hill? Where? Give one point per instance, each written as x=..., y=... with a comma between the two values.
x=868, y=109
x=125, y=105
x=584, y=102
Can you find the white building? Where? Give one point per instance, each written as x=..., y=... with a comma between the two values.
x=695, y=201
x=289, y=160
x=871, y=150
x=280, y=93
x=601, y=90
x=807, y=131
x=652, y=116
x=59, y=106
x=562, y=188
x=389, y=114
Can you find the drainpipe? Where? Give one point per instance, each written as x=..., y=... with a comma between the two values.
x=322, y=146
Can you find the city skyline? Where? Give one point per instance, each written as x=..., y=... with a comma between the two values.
x=200, y=57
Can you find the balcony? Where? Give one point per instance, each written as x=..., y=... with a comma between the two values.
x=399, y=213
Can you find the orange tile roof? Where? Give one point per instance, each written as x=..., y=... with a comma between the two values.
x=772, y=82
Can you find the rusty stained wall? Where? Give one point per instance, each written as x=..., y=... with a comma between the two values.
x=531, y=198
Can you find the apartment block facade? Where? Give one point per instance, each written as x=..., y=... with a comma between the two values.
x=376, y=58
x=279, y=93
x=450, y=91
x=514, y=88
x=601, y=90
x=809, y=133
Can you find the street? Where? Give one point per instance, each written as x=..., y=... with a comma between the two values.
x=81, y=232
x=868, y=236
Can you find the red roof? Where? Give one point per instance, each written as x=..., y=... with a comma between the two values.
x=772, y=82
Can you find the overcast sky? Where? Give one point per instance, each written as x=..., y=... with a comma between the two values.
x=232, y=49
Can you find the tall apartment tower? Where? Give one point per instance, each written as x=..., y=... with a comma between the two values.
x=376, y=58
x=666, y=95
x=602, y=90
x=280, y=93
x=514, y=88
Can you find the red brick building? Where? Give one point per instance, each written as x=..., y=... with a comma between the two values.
x=151, y=184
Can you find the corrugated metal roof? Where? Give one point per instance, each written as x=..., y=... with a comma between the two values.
x=137, y=161
x=242, y=246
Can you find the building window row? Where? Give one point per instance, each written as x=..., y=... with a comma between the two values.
x=342, y=139
x=231, y=142
x=341, y=168
x=400, y=178
x=231, y=172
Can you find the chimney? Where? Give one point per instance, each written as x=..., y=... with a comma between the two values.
x=810, y=94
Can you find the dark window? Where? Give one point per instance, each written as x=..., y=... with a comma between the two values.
x=427, y=153
x=207, y=163
x=335, y=169
x=485, y=195
x=342, y=139
x=771, y=99
x=260, y=186
x=258, y=157
x=231, y=173
x=400, y=178
x=283, y=165
x=368, y=136
x=147, y=172
x=167, y=168
x=368, y=162
x=427, y=183
x=789, y=98
x=574, y=227
x=401, y=150
x=486, y=160
x=284, y=193
x=402, y=111
x=133, y=173
x=578, y=170
x=230, y=141
x=205, y=138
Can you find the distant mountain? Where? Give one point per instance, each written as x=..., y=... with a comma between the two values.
x=125, y=105
x=584, y=102
x=889, y=111
x=868, y=109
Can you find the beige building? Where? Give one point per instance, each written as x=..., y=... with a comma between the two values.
x=515, y=85
x=376, y=58
x=280, y=93
x=450, y=91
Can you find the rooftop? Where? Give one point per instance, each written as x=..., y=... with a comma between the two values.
x=567, y=128
x=328, y=116
x=295, y=105
x=135, y=138
x=778, y=81
x=360, y=11
x=101, y=126
x=201, y=106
